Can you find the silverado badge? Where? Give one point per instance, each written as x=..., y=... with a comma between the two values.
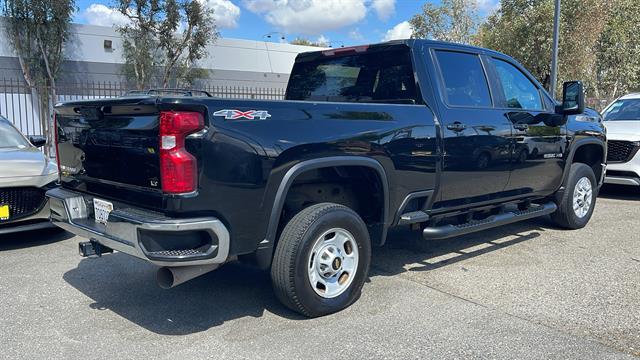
x=233, y=114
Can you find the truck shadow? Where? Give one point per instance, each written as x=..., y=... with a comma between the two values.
x=127, y=286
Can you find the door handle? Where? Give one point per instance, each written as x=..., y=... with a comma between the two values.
x=521, y=126
x=456, y=126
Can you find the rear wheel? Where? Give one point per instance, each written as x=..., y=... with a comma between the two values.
x=321, y=260
x=578, y=201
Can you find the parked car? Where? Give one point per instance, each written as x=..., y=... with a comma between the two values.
x=25, y=175
x=622, y=120
x=367, y=140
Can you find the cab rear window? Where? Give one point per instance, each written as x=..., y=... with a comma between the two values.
x=372, y=77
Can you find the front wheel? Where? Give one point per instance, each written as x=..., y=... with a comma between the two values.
x=578, y=201
x=321, y=260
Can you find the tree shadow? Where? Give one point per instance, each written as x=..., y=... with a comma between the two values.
x=32, y=238
x=127, y=286
x=620, y=192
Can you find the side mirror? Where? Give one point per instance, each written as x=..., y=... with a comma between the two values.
x=572, y=98
x=37, y=141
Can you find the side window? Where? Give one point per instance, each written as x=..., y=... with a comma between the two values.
x=519, y=91
x=464, y=79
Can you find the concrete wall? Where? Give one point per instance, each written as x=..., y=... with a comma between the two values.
x=231, y=62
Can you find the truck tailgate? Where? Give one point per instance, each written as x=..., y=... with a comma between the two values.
x=110, y=144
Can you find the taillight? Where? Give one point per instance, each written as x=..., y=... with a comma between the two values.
x=55, y=142
x=178, y=168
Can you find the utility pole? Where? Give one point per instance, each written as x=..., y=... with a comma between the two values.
x=554, y=54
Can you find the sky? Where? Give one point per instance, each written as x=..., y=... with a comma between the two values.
x=333, y=22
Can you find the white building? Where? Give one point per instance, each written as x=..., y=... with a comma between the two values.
x=94, y=53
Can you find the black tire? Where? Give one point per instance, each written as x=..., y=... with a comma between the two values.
x=565, y=216
x=289, y=268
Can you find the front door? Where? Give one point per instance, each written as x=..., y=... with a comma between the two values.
x=477, y=138
x=539, y=150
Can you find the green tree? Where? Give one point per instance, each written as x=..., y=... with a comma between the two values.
x=523, y=29
x=451, y=20
x=618, y=50
x=38, y=31
x=165, y=38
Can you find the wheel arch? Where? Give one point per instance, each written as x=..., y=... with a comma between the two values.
x=300, y=168
x=590, y=151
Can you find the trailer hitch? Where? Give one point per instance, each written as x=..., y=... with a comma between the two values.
x=92, y=248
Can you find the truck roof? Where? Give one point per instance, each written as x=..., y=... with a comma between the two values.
x=408, y=42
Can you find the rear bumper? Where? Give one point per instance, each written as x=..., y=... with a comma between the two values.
x=141, y=233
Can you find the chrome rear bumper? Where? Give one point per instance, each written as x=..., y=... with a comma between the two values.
x=141, y=233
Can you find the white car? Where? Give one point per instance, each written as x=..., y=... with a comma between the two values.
x=622, y=120
x=25, y=175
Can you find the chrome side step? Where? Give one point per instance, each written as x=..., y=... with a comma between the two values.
x=413, y=217
x=447, y=231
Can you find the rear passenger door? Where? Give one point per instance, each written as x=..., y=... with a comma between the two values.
x=538, y=150
x=476, y=137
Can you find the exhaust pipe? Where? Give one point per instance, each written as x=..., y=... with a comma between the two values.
x=168, y=277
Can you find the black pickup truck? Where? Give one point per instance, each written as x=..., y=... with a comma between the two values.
x=443, y=138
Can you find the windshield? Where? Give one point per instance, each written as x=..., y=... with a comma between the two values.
x=10, y=137
x=628, y=109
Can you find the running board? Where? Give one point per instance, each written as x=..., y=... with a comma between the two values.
x=447, y=231
x=413, y=217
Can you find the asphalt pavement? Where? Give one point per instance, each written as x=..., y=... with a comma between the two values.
x=524, y=291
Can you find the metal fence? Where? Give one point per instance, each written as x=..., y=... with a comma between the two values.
x=19, y=104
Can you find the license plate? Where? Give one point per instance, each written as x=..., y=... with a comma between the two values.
x=101, y=210
x=4, y=212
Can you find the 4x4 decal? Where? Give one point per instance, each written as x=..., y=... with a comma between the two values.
x=234, y=114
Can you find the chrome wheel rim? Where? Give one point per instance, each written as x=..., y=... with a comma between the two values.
x=333, y=263
x=582, y=197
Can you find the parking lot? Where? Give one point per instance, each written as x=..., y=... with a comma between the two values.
x=523, y=291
